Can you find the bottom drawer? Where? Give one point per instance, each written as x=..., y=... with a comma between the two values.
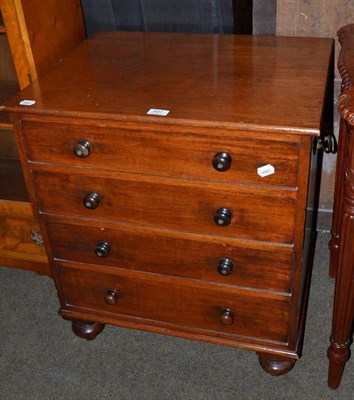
x=188, y=304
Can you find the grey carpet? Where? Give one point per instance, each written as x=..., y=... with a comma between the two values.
x=42, y=359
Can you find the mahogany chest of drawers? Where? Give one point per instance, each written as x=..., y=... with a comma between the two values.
x=174, y=177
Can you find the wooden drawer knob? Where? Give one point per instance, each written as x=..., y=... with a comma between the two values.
x=82, y=148
x=102, y=249
x=223, y=216
x=111, y=297
x=222, y=161
x=225, y=266
x=227, y=316
x=91, y=200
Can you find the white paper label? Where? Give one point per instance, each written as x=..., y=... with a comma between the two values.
x=27, y=102
x=158, y=111
x=265, y=170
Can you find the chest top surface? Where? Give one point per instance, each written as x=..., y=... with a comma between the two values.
x=243, y=82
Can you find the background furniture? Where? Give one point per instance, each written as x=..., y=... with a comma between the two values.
x=198, y=223
x=203, y=16
x=34, y=35
x=342, y=242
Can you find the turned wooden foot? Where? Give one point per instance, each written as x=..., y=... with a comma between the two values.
x=338, y=355
x=87, y=330
x=275, y=365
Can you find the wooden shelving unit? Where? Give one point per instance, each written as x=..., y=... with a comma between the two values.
x=12, y=186
x=8, y=79
x=33, y=37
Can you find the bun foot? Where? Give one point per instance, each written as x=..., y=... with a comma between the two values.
x=87, y=330
x=275, y=365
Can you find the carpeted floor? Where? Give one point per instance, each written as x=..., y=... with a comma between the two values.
x=42, y=359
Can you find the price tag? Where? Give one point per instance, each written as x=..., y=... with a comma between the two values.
x=27, y=102
x=158, y=111
x=265, y=170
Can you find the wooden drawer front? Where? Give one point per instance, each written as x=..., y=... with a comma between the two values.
x=178, y=302
x=178, y=254
x=151, y=201
x=146, y=150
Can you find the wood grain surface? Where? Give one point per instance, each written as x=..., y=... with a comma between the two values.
x=206, y=80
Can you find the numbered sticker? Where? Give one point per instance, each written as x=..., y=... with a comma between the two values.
x=265, y=170
x=158, y=111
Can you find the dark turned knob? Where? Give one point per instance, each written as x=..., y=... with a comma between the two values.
x=222, y=161
x=225, y=266
x=91, y=200
x=102, y=249
x=223, y=217
x=82, y=148
x=227, y=316
x=111, y=297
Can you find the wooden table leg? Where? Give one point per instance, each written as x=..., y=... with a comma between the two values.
x=343, y=309
x=338, y=352
x=338, y=201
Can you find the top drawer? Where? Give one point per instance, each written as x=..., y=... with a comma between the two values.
x=165, y=150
